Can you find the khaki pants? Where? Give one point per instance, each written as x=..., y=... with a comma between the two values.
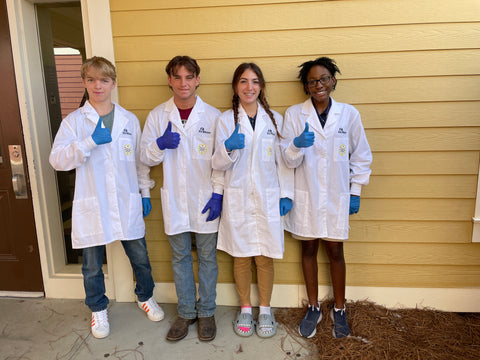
x=242, y=272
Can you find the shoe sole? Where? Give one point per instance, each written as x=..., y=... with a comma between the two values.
x=314, y=330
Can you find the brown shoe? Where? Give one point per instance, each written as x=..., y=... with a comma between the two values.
x=179, y=329
x=206, y=328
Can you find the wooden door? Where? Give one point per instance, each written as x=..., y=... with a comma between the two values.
x=19, y=257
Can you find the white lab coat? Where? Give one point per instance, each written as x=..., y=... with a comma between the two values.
x=188, y=181
x=107, y=204
x=337, y=165
x=256, y=177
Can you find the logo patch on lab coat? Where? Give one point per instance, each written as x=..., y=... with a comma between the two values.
x=127, y=149
x=342, y=150
x=269, y=151
x=202, y=149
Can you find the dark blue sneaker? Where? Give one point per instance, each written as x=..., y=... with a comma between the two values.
x=308, y=325
x=340, y=326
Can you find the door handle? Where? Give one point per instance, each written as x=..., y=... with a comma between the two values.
x=17, y=183
x=18, y=175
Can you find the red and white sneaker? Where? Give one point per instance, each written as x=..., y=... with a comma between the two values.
x=154, y=312
x=100, y=325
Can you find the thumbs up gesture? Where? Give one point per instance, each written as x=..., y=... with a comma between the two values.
x=236, y=140
x=305, y=139
x=169, y=139
x=101, y=135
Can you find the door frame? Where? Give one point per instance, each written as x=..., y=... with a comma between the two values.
x=60, y=280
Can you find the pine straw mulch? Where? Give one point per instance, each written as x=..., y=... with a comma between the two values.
x=381, y=333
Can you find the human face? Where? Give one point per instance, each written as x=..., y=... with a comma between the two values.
x=183, y=83
x=248, y=87
x=99, y=87
x=320, y=92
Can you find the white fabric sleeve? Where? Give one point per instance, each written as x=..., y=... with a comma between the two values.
x=68, y=151
x=150, y=153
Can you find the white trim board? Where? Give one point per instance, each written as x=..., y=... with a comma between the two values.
x=445, y=299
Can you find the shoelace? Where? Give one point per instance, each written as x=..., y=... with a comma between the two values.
x=101, y=318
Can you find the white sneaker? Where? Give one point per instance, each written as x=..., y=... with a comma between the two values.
x=154, y=312
x=100, y=325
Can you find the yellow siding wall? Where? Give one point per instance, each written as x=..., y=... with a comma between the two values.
x=412, y=68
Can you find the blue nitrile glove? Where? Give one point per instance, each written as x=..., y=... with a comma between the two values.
x=215, y=206
x=236, y=140
x=285, y=206
x=305, y=139
x=169, y=139
x=147, y=206
x=101, y=135
x=354, y=204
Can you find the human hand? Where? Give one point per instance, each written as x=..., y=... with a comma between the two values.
x=285, y=206
x=354, y=204
x=101, y=135
x=169, y=139
x=305, y=139
x=236, y=140
x=147, y=206
x=215, y=206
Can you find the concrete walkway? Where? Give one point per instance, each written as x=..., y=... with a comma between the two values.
x=44, y=329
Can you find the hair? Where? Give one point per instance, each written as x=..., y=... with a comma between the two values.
x=261, y=96
x=324, y=61
x=182, y=60
x=100, y=63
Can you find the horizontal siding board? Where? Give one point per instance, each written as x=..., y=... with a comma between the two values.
x=356, y=252
x=387, y=275
x=416, y=209
x=434, y=139
x=299, y=42
x=425, y=114
x=285, y=68
x=405, y=115
x=121, y=5
x=397, y=254
x=357, y=274
x=390, y=231
x=371, y=91
x=412, y=254
x=413, y=163
x=155, y=20
x=433, y=187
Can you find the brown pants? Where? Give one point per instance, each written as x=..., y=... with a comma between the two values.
x=242, y=272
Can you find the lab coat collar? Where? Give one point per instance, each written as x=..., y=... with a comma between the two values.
x=260, y=121
x=314, y=123
x=174, y=115
x=119, y=120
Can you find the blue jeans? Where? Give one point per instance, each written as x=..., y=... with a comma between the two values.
x=93, y=279
x=182, y=264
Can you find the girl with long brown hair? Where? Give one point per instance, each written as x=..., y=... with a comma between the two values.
x=258, y=189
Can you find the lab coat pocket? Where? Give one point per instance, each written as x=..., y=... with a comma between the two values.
x=267, y=150
x=273, y=204
x=234, y=205
x=127, y=150
x=343, y=209
x=202, y=147
x=135, y=208
x=86, y=217
x=341, y=148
